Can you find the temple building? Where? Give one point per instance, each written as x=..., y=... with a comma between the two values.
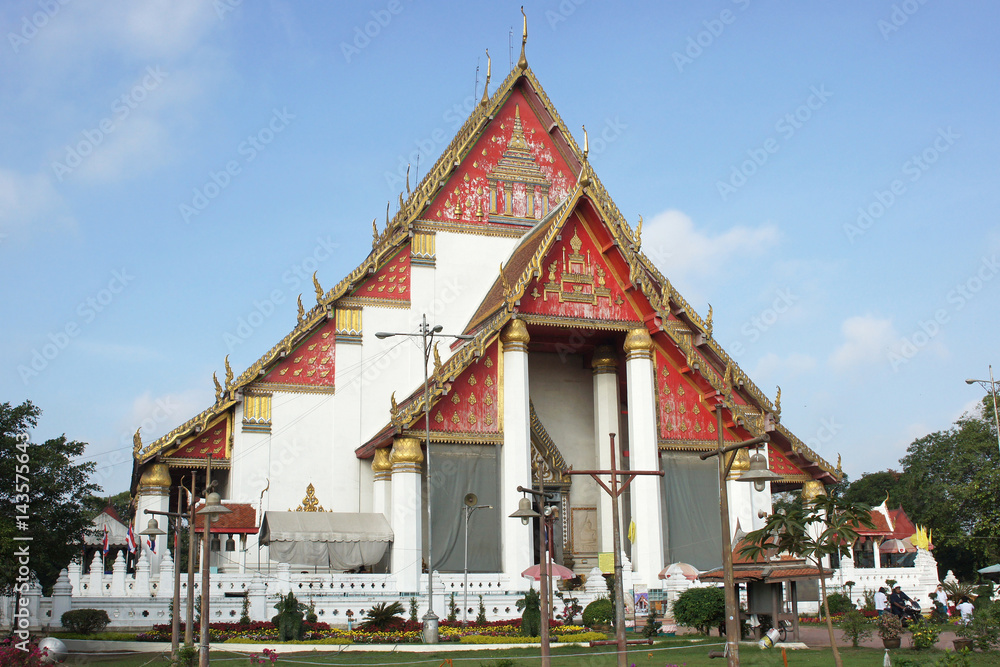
x=551, y=332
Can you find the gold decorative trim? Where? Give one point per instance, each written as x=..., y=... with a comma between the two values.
x=348, y=328
x=373, y=301
x=577, y=322
x=547, y=461
x=295, y=388
x=257, y=413
x=475, y=229
x=198, y=463
x=423, y=251
x=669, y=445
x=310, y=503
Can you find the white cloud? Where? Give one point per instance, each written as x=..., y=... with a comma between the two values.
x=867, y=340
x=772, y=366
x=139, y=145
x=688, y=256
x=30, y=201
x=156, y=415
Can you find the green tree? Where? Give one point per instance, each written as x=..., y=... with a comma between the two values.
x=42, y=483
x=871, y=488
x=789, y=532
x=122, y=502
x=950, y=483
x=701, y=608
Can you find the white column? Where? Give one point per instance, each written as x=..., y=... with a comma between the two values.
x=166, y=588
x=382, y=483
x=647, y=551
x=258, y=598
x=75, y=573
x=118, y=576
x=96, y=586
x=141, y=586
x=607, y=409
x=515, y=470
x=407, y=545
x=62, y=598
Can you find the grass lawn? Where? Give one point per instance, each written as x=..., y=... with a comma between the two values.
x=658, y=655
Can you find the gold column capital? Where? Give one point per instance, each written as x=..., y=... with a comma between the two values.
x=382, y=464
x=515, y=336
x=406, y=455
x=638, y=344
x=605, y=360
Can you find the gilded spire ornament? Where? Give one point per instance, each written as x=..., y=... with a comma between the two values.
x=727, y=378
x=393, y=410
x=486, y=88
x=229, y=374
x=708, y=321
x=638, y=234
x=585, y=167
x=137, y=442
x=437, y=359
x=777, y=403
x=218, y=387
x=508, y=292
x=522, y=62
x=407, y=179
x=400, y=205
x=319, y=290
x=839, y=469
x=302, y=311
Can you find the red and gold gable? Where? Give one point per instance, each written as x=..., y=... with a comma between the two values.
x=779, y=464
x=514, y=172
x=391, y=281
x=213, y=440
x=310, y=365
x=576, y=281
x=682, y=413
x=473, y=404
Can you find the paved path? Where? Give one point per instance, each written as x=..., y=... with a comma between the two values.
x=816, y=635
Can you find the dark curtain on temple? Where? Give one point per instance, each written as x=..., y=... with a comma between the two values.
x=693, y=533
x=456, y=471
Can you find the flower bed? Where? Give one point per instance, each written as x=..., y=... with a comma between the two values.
x=401, y=632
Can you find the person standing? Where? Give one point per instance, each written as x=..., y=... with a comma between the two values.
x=966, y=609
x=881, y=601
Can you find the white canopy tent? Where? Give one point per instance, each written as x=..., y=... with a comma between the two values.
x=338, y=540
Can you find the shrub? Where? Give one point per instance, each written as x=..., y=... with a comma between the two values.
x=490, y=639
x=452, y=609
x=855, y=627
x=85, y=621
x=289, y=617
x=983, y=630
x=839, y=604
x=531, y=615
x=481, y=616
x=701, y=608
x=652, y=627
x=583, y=637
x=888, y=626
x=598, y=611
x=383, y=616
x=413, y=610
x=923, y=634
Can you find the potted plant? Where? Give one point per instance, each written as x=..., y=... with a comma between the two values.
x=889, y=628
x=963, y=637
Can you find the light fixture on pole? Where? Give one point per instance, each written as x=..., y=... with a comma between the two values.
x=470, y=506
x=153, y=530
x=426, y=335
x=759, y=475
x=525, y=514
x=213, y=508
x=993, y=390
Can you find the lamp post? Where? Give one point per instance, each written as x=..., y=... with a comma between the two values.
x=993, y=390
x=470, y=506
x=426, y=335
x=213, y=507
x=189, y=617
x=153, y=530
x=759, y=476
x=525, y=513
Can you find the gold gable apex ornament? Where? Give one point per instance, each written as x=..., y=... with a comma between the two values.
x=310, y=503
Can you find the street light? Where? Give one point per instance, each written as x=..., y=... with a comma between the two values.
x=153, y=530
x=524, y=513
x=470, y=506
x=759, y=475
x=426, y=334
x=993, y=390
x=213, y=508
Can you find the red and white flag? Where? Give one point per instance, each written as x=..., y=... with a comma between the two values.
x=130, y=540
x=151, y=543
x=104, y=546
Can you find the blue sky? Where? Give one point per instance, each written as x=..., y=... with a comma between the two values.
x=824, y=174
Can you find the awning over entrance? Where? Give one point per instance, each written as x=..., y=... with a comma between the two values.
x=338, y=540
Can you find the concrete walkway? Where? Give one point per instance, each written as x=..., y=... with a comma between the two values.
x=817, y=636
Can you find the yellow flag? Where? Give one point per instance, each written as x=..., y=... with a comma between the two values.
x=606, y=562
x=631, y=531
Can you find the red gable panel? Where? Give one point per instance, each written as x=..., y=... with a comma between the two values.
x=576, y=281
x=472, y=405
x=212, y=440
x=682, y=414
x=391, y=281
x=779, y=464
x=310, y=365
x=513, y=173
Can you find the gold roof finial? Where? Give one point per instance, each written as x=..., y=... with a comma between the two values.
x=486, y=87
x=218, y=387
x=777, y=403
x=407, y=179
x=503, y=281
x=229, y=373
x=522, y=62
x=708, y=321
x=586, y=142
x=437, y=359
x=393, y=410
x=840, y=471
x=387, y=214
x=302, y=311
x=137, y=441
x=585, y=167
x=638, y=233
x=319, y=290
x=374, y=233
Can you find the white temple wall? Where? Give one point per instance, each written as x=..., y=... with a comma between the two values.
x=248, y=474
x=389, y=365
x=562, y=390
x=366, y=482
